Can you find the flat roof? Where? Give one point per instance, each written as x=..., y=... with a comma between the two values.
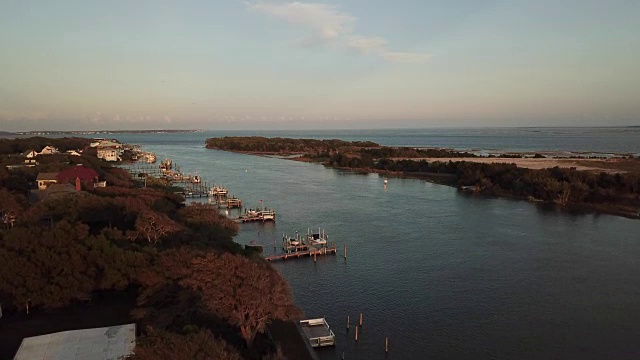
x=107, y=343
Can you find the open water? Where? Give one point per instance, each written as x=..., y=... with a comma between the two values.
x=443, y=274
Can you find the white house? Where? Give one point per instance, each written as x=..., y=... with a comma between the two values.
x=73, y=153
x=108, y=153
x=48, y=150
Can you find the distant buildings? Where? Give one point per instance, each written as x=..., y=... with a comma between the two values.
x=49, y=150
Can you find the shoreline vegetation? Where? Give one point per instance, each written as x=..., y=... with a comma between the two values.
x=592, y=184
x=78, y=254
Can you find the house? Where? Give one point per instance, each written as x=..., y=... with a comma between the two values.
x=30, y=157
x=49, y=150
x=72, y=152
x=30, y=154
x=46, y=179
x=109, y=153
x=104, y=142
x=112, y=342
x=78, y=174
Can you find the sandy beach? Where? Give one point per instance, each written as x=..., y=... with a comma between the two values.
x=599, y=165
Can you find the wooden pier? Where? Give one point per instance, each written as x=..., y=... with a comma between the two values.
x=313, y=251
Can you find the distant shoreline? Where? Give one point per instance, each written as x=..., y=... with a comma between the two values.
x=98, y=132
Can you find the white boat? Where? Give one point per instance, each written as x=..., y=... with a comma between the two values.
x=267, y=215
x=319, y=238
x=218, y=190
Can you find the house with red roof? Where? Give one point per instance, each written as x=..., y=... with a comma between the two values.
x=79, y=175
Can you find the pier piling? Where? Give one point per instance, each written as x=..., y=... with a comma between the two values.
x=347, y=322
x=361, y=319
x=386, y=344
x=356, y=332
x=345, y=251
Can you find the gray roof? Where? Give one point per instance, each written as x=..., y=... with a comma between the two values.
x=107, y=343
x=47, y=176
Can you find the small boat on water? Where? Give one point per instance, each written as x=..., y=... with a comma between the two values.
x=320, y=238
x=218, y=190
x=258, y=215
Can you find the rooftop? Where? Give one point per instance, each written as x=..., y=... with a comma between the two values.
x=47, y=176
x=107, y=343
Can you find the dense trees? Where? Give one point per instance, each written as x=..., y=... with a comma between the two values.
x=198, y=345
x=180, y=259
x=52, y=267
x=247, y=293
x=18, y=146
x=283, y=145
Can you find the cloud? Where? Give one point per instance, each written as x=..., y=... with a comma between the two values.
x=366, y=45
x=327, y=24
x=403, y=57
x=326, y=21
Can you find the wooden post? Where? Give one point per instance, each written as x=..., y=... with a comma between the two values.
x=314, y=256
x=347, y=322
x=356, y=332
x=360, y=319
x=345, y=251
x=386, y=344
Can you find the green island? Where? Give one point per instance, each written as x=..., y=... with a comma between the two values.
x=603, y=185
x=92, y=246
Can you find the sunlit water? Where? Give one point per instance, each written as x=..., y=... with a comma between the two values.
x=441, y=273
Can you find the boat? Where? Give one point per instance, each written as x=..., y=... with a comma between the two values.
x=267, y=215
x=196, y=179
x=150, y=158
x=293, y=244
x=165, y=166
x=319, y=238
x=257, y=215
x=218, y=190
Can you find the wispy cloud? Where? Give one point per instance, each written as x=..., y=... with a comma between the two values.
x=404, y=57
x=327, y=24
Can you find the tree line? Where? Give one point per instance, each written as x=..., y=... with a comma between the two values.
x=181, y=259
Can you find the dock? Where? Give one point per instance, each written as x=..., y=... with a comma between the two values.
x=312, y=244
x=257, y=215
x=312, y=251
x=317, y=332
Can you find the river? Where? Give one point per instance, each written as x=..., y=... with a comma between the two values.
x=441, y=273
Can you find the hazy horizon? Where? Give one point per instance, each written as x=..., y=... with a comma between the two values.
x=305, y=65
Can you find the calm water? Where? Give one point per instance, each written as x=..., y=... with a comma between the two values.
x=442, y=274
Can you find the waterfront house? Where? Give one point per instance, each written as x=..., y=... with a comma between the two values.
x=79, y=175
x=45, y=179
x=72, y=153
x=49, y=150
x=109, y=153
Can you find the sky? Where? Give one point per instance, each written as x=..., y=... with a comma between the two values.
x=261, y=64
